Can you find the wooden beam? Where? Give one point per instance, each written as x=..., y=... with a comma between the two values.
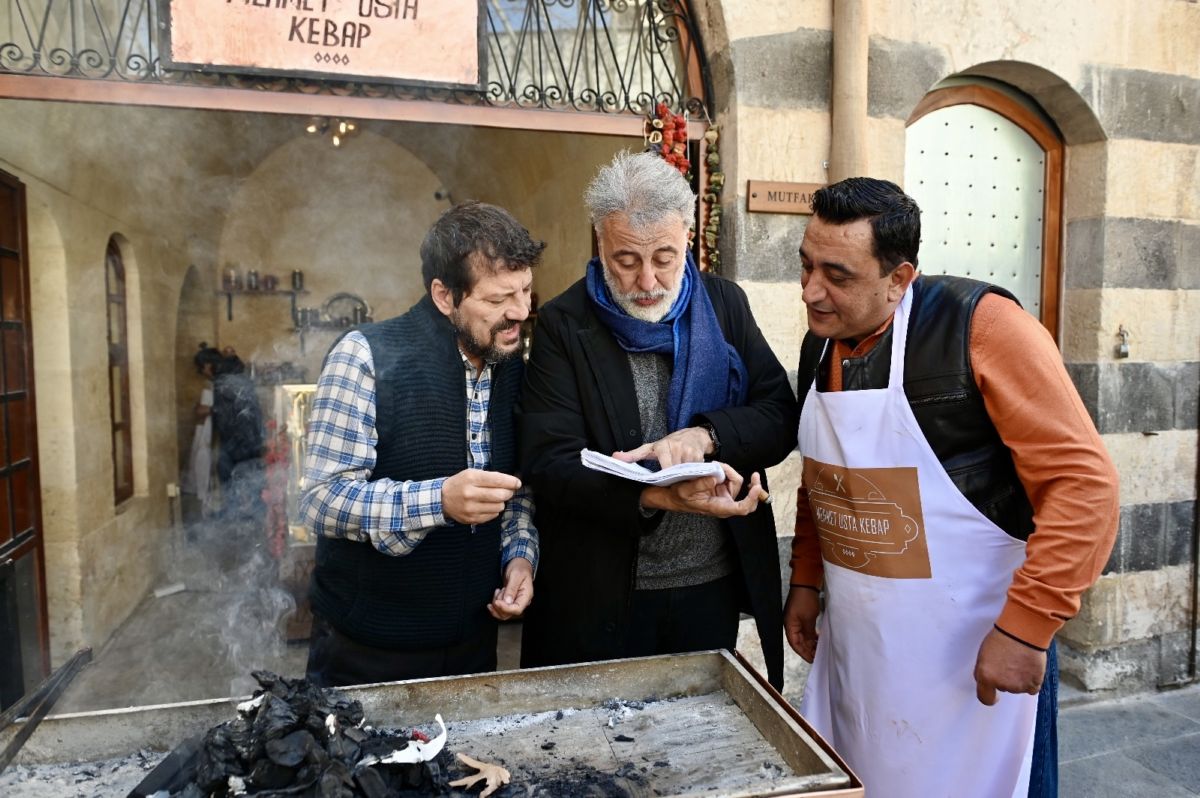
x=105, y=92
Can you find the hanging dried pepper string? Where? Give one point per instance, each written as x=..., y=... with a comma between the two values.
x=666, y=134
x=710, y=196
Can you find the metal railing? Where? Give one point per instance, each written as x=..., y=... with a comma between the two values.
x=610, y=56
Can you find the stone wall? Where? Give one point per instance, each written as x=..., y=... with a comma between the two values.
x=1123, y=86
x=353, y=219
x=101, y=557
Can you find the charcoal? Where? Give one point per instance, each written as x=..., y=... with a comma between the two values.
x=356, y=734
x=382, y=743
x=246, y=744
x=291, y=750
x=218, y=760
x=211, y=774
x=371, y=784
x=336, y=782
x=274, y=718
x=311, y=703
x=341, y=747
x=439, y=769
x=270, y=775
x=309, y=774
x=281, y=746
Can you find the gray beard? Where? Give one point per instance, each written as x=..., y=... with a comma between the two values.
x=653, y=314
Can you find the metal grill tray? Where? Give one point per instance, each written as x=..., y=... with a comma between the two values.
x=692, y=725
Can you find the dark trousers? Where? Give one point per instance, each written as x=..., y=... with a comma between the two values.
x=335, y=660
x=679, y=619
x=1043, y=773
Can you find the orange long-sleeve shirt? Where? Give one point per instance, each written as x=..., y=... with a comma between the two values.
x=1060, y=460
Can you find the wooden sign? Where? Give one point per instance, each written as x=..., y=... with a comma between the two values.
x=766, y=197
x=405, y=41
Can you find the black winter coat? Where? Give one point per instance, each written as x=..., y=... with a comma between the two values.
x=578, y=393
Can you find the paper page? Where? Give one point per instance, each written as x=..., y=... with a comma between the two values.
x=637, y=473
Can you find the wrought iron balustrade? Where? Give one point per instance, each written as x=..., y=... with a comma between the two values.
x=612, y=56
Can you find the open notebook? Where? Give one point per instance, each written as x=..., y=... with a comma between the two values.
x=637, y=473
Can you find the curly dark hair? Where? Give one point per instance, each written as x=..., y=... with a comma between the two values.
x=475, y=233
x=894, y=216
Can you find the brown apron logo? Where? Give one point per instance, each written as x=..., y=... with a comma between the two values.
x=869, y=519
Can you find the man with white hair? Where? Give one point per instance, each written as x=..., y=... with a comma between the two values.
x=650, y=360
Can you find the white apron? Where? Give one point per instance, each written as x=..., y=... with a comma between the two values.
x=915, y=577
x=198, y=475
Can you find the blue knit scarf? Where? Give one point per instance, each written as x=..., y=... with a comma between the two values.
x=708, y=374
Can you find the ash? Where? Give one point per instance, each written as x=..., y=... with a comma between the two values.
x=79, y=779
x=619, y=710
x=577, y=780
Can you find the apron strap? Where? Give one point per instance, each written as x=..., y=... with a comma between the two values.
x=899, y=339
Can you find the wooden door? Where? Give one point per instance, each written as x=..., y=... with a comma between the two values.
x=24, y=635
x=986, y=169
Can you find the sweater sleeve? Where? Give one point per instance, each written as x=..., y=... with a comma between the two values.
x=807, y=567
x=1060, y=459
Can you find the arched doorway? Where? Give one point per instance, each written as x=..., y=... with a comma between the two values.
x=986, y=166
x=194, y=324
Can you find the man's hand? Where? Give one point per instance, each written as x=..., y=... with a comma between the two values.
x=1007, y=665
x=476, y=497
x=704, y=496
x=800, y=621
x=511, y=600
x=687, y=445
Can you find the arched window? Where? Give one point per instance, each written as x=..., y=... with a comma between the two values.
x=985, y=165
x=118, y=372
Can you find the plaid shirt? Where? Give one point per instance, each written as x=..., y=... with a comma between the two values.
x=394, y=516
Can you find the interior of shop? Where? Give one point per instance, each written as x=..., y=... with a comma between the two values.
x=268, y=234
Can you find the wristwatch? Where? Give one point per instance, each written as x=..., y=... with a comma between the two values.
x=712, y=436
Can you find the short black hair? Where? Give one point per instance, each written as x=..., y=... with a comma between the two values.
x=488, y=232
x=206, y=356
x=221, y=363
x=895, y=217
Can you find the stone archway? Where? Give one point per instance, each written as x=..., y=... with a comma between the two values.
x=1076, y=120
x=350, y=219
x=194, y=325
x=55, y=432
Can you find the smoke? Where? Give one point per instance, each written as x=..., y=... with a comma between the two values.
x=253, y=636
x=232, y=576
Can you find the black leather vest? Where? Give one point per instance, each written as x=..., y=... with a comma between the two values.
x=436, y=595
x=941, y=390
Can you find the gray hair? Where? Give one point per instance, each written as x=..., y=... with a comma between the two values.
x=644, y=187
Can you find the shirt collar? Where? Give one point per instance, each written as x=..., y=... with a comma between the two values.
x=865, y=345
x=470, y=367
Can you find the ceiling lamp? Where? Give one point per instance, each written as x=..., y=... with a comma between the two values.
x=338, y=130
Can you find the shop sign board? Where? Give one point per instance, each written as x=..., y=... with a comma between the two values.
x=775, y=197
x=391, y=41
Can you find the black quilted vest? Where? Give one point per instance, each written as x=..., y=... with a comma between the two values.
x=943, y=395
x=437, y=595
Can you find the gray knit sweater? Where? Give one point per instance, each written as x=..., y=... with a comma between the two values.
x=686, y=549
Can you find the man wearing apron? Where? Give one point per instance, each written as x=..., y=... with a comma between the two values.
x=956, y=502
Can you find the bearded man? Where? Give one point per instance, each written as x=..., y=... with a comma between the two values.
x=424, y=533
x=648, y=359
